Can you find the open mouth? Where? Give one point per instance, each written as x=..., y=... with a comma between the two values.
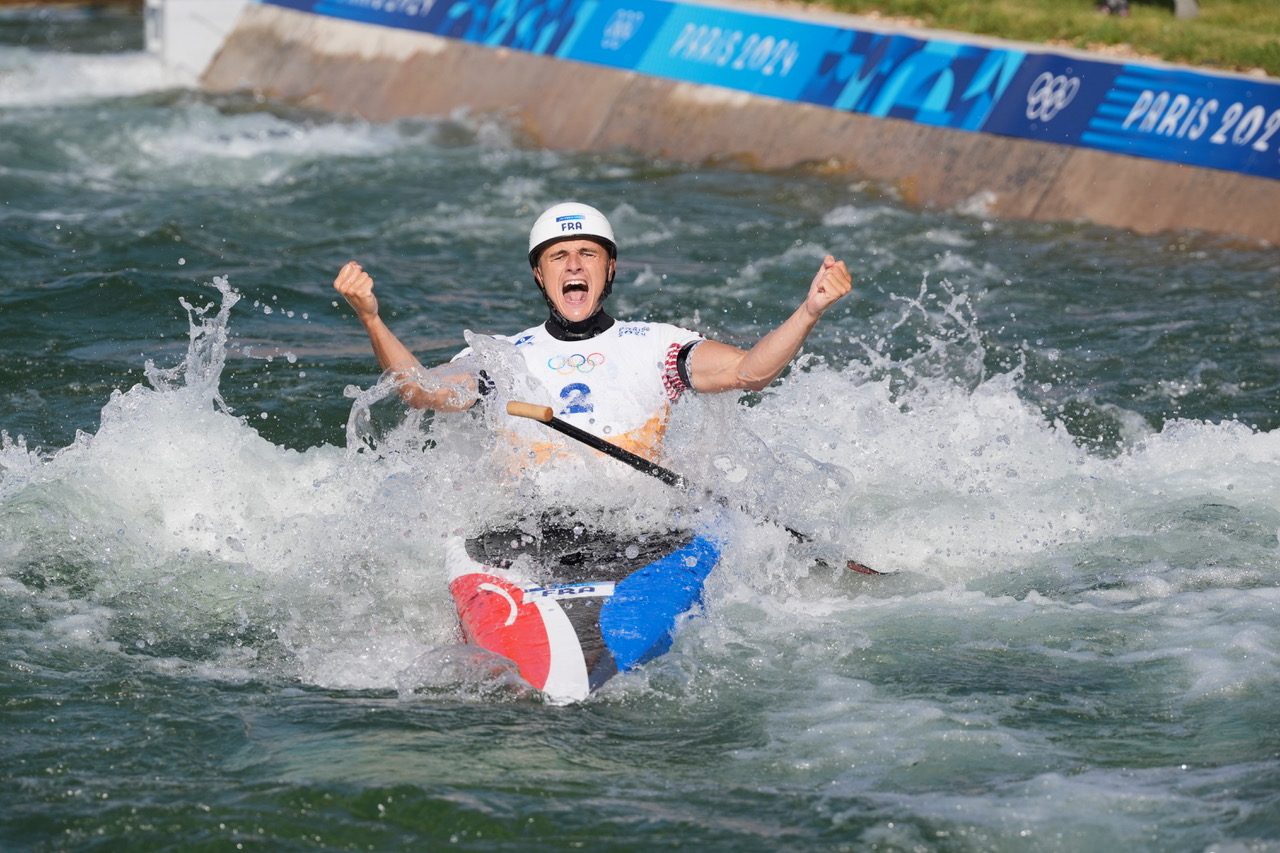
x=575, y=291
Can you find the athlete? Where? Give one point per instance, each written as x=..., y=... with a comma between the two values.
x=614, y=379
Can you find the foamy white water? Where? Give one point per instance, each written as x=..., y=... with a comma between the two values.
x=40, y=79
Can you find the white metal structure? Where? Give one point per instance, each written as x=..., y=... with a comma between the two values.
x=186, y=34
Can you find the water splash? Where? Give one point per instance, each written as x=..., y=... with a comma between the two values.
x=177, y=532
x=918, y=457
x=200, y=371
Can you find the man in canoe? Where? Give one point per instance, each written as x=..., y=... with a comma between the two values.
x=615, y=379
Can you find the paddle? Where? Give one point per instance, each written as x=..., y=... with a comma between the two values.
x=545, y=415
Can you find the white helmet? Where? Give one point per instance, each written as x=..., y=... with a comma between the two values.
x=570, y=221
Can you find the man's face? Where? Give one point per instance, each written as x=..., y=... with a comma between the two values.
x=574, y=274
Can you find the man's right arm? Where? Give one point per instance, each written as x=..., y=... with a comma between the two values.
x=441, y=388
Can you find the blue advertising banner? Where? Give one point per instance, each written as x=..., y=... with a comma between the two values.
x=620, y=36
x=1181, y=116
x=536, y=26
x=1052, y=99
x=1220, y=122
x=949, y=84
x=750, y=53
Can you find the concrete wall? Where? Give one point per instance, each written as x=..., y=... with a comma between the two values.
x=381, y=73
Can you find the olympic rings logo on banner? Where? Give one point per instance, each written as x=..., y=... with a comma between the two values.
x=624, y=24
x=1049, y=94
x=576, y=363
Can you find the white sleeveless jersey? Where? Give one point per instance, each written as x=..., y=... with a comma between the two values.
x=618, y=385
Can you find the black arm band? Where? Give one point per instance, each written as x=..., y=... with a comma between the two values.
x=682, y=363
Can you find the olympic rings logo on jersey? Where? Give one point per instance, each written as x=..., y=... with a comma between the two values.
x=576, y=363
x=1049, y=95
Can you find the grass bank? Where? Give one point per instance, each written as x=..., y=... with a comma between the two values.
x=1233, y=35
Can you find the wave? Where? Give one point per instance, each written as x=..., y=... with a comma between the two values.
x=155, y=137
x=33, y=78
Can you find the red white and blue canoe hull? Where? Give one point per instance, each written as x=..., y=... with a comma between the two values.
x=572, y=617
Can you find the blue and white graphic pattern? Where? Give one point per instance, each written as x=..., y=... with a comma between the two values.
x=1199, y=119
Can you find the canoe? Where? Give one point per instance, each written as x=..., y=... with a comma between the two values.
x=573, y=607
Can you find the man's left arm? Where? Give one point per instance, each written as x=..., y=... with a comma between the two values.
x=715, y=366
